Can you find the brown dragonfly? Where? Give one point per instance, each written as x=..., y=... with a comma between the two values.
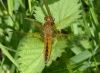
x=47, y=34
x=48, y=30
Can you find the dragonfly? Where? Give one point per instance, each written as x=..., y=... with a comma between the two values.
x=48, y=31
x=47, y=34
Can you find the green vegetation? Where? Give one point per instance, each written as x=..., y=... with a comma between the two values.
x=22, y=47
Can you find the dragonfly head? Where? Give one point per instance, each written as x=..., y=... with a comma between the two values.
x=49, y=18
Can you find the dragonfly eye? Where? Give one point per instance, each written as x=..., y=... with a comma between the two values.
x=48, y=18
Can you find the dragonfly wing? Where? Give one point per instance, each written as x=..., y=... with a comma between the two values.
x=65, y=22
x=77, y=43
x=36, y=23
x=74, y=38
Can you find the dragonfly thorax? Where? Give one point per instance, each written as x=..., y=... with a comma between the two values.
x=48, y=29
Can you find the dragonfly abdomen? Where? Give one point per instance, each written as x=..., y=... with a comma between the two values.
x=47, y=48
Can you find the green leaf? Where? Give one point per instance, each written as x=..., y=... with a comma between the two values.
x=62, y=9
x=31, y=54
x=80, y=57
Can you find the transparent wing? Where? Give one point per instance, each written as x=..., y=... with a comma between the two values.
x=29, y=19
x=76, y=40
x=34, y=22
x=70, y=17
